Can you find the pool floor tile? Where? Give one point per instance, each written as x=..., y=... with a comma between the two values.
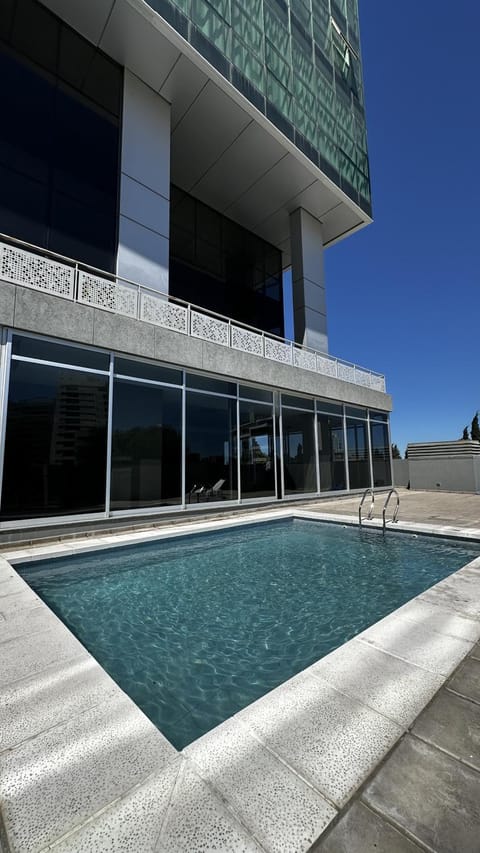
x=362, y=831
x=278, y=807
x=430, y=794
x=331, y=739
x=56, y=780
x=395, y=688
x=453, y=724
x=413, y=643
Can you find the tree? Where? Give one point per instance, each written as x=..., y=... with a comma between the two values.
x=465, y=436
x=395, y=452
x=475, y=431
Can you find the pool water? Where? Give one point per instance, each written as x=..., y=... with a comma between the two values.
x=197, y=627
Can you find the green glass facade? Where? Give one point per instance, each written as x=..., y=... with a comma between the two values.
x=298, y=62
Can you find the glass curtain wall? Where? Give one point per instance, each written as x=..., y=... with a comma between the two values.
x=90, y=432
x=331, y=447
x=56, y=435
x=59, y=154
x=358, y=448
x=299, y=465
x=380, y=443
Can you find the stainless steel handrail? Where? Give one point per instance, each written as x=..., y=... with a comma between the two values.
x=372, y=503
x=394, y=517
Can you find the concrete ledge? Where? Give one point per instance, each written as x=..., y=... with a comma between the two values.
x=81, y=767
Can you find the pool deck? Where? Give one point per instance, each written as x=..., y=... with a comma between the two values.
x=374, y=747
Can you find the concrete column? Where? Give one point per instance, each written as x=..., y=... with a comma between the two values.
x=143, y=244
x=308, y=285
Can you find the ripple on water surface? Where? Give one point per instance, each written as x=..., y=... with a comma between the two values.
x=194, y=629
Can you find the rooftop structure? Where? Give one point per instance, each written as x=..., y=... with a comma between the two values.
x=162, y=164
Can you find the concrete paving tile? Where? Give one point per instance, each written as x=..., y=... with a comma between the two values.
x=413, y=643
x=362, y=831
x=436, y=618
x=453, y=724
x=331, y=739
x=279, y=808
x=467, y=679
x=50, y=697
x=475, y=653
x=24, y=656
x=395, y=688
x=10, y=586
x=197, y=820
x=24, y=622
x=10, y=605
x=459, y=592
x=433, y=796
x=131, y=825
x=54, y=782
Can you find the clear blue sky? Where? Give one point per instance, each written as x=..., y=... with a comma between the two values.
x=403, y=294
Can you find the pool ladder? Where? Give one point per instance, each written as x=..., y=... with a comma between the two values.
x=369, y=515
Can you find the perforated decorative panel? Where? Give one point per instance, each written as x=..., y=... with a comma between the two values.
x=156, y=309
x=377, y=382
x=327, y=366
x=36, y=272
x=278, y=351
x=95, y=291
x=209, y=328
x=247, y=341
x=305, y=359
x=363, y=377
x=346, y=372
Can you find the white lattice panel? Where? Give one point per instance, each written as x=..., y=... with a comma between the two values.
x=156, y=309
x=327, y=366
x=34, y=271
x=95, y=291
x=346, y=372
x=305, y=359
x=278, y=351
x=208, y=328
x=362, y=377
x=127, y=299
x=247, y=341
x=377, y=382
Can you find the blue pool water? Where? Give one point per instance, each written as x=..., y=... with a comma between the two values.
x=195, y=628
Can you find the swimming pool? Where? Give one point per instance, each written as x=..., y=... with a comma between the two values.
x=195, y=628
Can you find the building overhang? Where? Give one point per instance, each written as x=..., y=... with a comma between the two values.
x=224, y=151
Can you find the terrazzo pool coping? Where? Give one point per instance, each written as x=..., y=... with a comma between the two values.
x=82, y=768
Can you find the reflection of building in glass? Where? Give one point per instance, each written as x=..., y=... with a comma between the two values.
x=198, y=152
x=77, y=412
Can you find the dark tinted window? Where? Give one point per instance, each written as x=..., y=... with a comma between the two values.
x=211, y=460
x=49, y=351
x=204, y=383
x=146, y=446
x=56, y=442
x=299, y=468
x=144, y=370
x=331, y=453
x=257, y=451
x=358, y=458
x=382, y=474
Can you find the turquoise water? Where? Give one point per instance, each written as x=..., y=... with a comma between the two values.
x=196, y=628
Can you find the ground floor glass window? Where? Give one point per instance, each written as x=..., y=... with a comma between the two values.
x=382, y=473
x=358, y=457
x=211, y=459
x=331, y=453
x=299, y=468
x=257, y=452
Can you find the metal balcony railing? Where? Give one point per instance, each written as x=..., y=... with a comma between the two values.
x=31, y=266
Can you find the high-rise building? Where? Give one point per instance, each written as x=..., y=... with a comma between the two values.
x=161, y=165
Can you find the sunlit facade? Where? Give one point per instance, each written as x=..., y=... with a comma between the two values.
x=161, y=166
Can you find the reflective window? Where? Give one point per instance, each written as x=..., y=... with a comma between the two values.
x=237, y=274
x=297, y=402
x=56, y=442
x=252, y=393
x=146, y=446
x=331, y=408
x=382, y=474
x=257, y=452
x=52, y=351
x=144, y=370
x=59, y=184
x=358, y=461
x=299, y=469
x=331, y=450
x=211, y=460
x=217, y=386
